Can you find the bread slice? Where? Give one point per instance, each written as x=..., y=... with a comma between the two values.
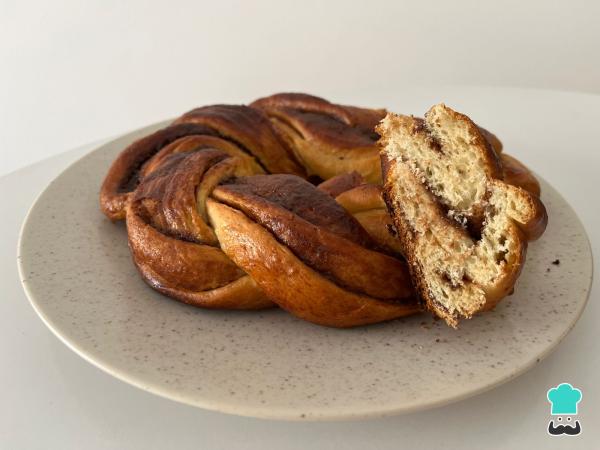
x=463, y=228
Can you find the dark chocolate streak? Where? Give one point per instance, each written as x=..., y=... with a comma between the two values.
x=304, y=200
x=148, y=146
x=295, y=212
x=185, y=169
x=242, y=120
x=475, y=220
x=328, y=127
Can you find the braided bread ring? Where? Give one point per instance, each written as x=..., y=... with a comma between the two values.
x=206, y=226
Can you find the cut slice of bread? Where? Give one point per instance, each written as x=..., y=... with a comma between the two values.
x=463, y=228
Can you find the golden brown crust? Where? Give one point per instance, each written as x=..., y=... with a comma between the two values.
x=492, y=139
x=123, y=175
x=199, y=142
x=258, y=195
x=319, y=232
x=250, y=129
x=178, y=253
x=174, y=248
x=363, y=197
x=161, y=185
x=365, y=202
x=327, y=139
x=305, y=293
x=341, y=183
x=363, y=120
x=517, y=174
x=236, y=130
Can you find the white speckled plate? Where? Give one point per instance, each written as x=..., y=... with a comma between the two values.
x=77, y=272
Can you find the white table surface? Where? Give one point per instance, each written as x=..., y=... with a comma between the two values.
x=53, y=399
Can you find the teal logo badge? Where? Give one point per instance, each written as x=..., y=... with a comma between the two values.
x=564, y=399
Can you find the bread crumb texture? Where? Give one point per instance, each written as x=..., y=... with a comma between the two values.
x=465, y=229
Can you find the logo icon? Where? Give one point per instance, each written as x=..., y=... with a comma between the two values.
x=564, y=399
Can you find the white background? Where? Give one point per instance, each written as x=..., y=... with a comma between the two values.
x=74, y=72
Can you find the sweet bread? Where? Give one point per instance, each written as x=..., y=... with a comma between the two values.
x=281, y=203
x=463, y=226
x=207, y=225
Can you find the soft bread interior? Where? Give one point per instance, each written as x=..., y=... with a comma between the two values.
x=442, y=186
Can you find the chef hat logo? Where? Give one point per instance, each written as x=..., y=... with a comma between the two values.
x=564, y=399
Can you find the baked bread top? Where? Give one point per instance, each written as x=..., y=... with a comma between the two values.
x=328, y=139
x=288, y=133
x=307, y=253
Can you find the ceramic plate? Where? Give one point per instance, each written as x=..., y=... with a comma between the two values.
x=77, y=272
